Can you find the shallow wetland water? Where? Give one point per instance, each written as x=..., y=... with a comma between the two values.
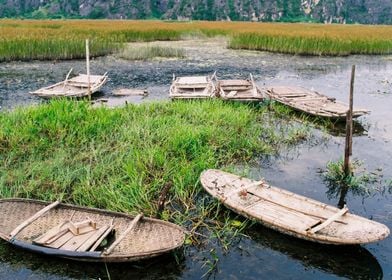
x=262, y=252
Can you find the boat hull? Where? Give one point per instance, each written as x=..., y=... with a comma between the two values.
x=150, y=238
x=290, y=213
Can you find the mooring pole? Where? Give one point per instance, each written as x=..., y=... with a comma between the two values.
x=88, y=68
x=349, y=127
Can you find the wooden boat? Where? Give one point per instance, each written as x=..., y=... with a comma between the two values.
x=78, y=86
x=312, y=102
x=192, y=87
x=240, y=90
x=290, y=213
x=80, y=233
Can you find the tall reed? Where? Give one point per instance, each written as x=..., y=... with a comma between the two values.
x=58, y=39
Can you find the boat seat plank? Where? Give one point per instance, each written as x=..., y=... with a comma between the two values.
x=83, y=78
x=192, y=80
x=327, y=222
x=224, y=83
x=190, y=86
x=33, y=218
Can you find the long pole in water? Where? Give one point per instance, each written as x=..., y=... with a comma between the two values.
x=88, y=68
x=349, y=127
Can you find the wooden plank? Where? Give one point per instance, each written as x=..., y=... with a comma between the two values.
x=93, y=238
x=33, y=218
x=281, y=216
x=61, y=240
x=52, y=234
x=191, y=86
x=224, y=83
x=232, y=93
x=124, y=234
x=76, y=241
x=328, y=221
x=103, y=236
x=192, y=80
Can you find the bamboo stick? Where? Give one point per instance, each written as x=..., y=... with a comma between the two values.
x=349, y=127
x=33, y=218
x=88, y=67
x=124, y=234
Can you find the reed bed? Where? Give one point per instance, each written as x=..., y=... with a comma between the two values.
x=59, y=39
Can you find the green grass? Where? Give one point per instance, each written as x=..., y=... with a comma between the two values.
x=150, y=52
x=120, y=159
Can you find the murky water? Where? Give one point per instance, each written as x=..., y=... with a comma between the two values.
x=263, y=252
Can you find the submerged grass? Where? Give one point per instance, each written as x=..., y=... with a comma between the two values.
x=49, y=39
x=120, y=159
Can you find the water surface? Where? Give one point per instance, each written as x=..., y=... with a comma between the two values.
x=261, y=252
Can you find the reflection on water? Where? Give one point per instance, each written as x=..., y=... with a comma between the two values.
x=352, y=262
x=19, y=264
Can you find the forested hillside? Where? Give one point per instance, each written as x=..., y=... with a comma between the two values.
x=340, y=11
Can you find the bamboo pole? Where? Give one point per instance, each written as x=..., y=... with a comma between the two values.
x=349, y=127
x=88, y=68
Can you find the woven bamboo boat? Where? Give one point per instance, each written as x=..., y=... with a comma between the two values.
x=85, y=234
x=312, y=102
x=290, y=213
x=192, y=87
x=78, y=86
x=240, y=90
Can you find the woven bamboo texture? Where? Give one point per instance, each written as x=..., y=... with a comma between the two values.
x=312, y=102
x=150, y=237
x=290, y=213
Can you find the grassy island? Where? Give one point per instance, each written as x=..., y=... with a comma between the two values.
x=121, y=159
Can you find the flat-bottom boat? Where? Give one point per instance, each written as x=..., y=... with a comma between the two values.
x=290, y=213
x=85, y=234
x=240, y=90
x=192, y=87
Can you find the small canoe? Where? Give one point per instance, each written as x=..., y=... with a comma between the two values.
x=85, y=234
x=240, y=90
x=312, y=102
x=192, y=87
x=290, y=213
x=75, y=87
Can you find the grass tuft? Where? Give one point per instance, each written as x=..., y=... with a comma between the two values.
x=150, y=52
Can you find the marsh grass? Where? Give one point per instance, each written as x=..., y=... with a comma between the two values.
x=150, y=52
x=120, y=159
x=360, y=182
x=44, y=39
